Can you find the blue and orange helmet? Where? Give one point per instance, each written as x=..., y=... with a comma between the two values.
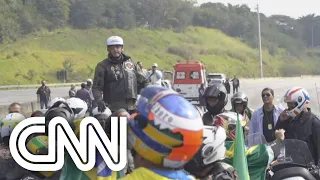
x=167, y=130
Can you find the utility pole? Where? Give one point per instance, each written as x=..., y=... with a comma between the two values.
x=312, y=36
x=260, y=48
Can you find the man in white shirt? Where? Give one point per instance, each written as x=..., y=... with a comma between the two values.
x=143, y=71
x=155, y=75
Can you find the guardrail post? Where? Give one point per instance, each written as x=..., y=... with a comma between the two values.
x=32, y=106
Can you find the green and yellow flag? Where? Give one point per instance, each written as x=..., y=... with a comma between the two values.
x=240, y=159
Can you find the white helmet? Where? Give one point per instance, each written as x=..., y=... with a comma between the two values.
x=9, y=122
x=78, y=106
x=297, y=95
x=106, y=112
x=212, y=149
x=89, y=80
x=54, y=100
x=114, y=40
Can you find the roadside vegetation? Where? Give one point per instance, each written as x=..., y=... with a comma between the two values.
x=39, y=38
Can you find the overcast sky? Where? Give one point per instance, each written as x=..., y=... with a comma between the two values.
x=293, y=8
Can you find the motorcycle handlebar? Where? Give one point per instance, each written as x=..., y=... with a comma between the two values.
x=315, y=172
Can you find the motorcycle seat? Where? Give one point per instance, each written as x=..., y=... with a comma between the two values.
x=292, y=172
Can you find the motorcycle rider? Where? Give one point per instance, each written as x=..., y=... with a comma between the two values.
x=298, y=122
x=207, y=163
x=38, y=143
x=228, y=121
x=117, y=78
x=216, y=98
x=239, y=104
x=9, y=168
x=259, y=155
x=130, y=164
x=74, y=110
x=164, y=135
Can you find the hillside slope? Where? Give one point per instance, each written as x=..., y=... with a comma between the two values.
x=39, y=56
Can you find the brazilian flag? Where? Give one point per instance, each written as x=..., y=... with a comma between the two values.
x=99, y=172
x=257, y=159
x=250, y=164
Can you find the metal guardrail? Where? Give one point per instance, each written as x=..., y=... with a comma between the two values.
x=35, y=86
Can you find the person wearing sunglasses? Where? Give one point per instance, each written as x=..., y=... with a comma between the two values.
x=264, y=119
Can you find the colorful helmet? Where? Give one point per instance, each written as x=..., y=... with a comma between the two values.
x=38, y=145
x=212, y=150
x=114, y=40
x=78, y=106
x=7, y=125
x=54, y=100
x=297, y=95
x=167, y=130
x=239, y=98
x=228, y=121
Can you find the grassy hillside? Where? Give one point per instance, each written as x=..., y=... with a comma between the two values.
x=40, y=55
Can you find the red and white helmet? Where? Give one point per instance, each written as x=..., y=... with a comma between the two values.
x=297, y=95
x=228, y=120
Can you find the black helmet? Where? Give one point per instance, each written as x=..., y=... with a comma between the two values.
x=219, y=91
x=37, y=113
x=60, y=109
x=239, y=98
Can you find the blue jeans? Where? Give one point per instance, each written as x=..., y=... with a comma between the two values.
x=44, y=103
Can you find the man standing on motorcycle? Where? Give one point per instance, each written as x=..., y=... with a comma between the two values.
x=298, y=122
x=216, y=98
x=116, y=79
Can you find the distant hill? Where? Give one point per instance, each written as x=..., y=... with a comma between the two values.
x=40, y=55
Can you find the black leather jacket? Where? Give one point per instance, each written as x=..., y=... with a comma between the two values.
x=116, y=80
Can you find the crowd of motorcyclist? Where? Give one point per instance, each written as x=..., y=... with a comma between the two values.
x=168, y=137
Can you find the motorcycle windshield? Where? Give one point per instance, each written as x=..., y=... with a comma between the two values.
x=295, y=151
x=255, y=139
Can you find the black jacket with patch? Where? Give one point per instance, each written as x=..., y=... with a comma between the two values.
x=115, y=82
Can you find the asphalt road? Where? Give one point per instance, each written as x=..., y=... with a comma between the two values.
x=252, y=88
x=28, y=95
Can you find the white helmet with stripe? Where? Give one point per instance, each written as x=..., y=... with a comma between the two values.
x=300, y=97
